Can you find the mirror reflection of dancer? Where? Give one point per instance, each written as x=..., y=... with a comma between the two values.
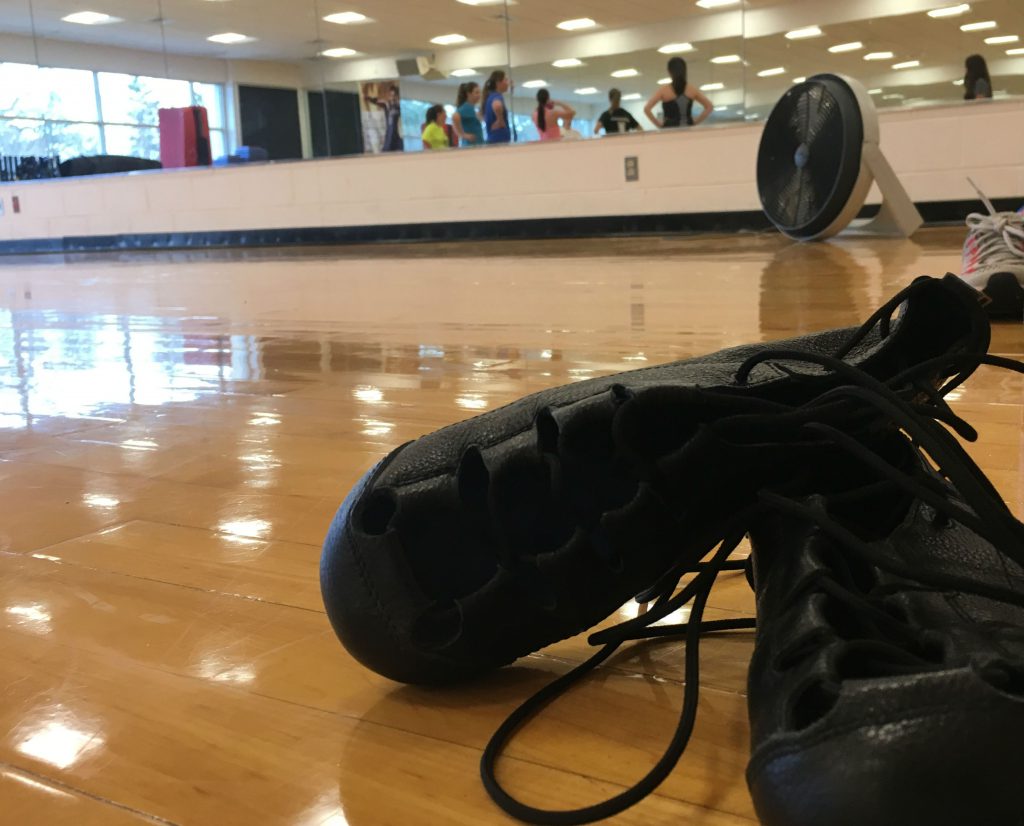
x=495, y=115
x=393, y=115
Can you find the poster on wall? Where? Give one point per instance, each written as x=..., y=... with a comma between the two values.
x=381, y=105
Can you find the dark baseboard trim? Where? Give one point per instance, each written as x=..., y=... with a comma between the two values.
x=934, y=213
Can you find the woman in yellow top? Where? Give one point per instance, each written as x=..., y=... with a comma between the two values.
x=434, y=135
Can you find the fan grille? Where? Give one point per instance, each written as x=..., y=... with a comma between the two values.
x=810, y=156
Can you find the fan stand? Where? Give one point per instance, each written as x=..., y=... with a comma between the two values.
x=898, y=217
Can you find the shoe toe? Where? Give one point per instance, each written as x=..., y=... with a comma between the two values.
x=371, y=596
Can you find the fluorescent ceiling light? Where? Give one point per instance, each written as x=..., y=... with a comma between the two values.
x=586, y=90
x=978, y=27
x=578, y=23
x=1003, y=38
x=464, y=72
x=676, y=48
x=633, y=96
x=1015, y=51
x=91, y=18
x=727, y=58
x=751, y=116
x=895, y=96
x=486, y=2
x=712, y=87
x=878, y=56
x=664, y=81
x=714, y=4
x=567, y=63
x=535, y=84
x=950, y=11
x=625, y=73
x=339, y=52
x=874, y=91
x=778, y=70
x=799, y=80
x=449, y=39
x=230, y=38
x=958, y=82
x=345, y=18
x=907, y=64
x=807, y=31
x=846, y=47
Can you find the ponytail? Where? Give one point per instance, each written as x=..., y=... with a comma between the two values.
x=465, y=90
x=677, y=71
x=543, y=96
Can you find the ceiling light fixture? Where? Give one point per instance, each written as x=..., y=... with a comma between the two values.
x=577, y=24
x=346, y=18
x=535, y=84
x=1002, y=38
x=676, y=48
x=449, y=39
x=958, y=82
x=874, y=91
x=714, y=4
x=950, y=11
x=907, y=64
x=567, y=62
x=586, y=90
x=664, y=81
x=464, y=72
x=895, y=96
x=230, y=38
x=91, y=18
x=979, y=27
x=846, y=47
x=727, y=58
x=633, y=96
x=878, y=56
x=807, y=31
x=712, y=87
x=339, y=52
x=799, y=80
x=778, y=70
x=1015, y=51
x=625, y=73
x=485, y=2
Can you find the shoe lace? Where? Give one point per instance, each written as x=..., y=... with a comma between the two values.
x=1000, y=234
x=897, y=402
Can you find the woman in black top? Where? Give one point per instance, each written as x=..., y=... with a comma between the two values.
x=676, y=99
x=977, y=83
x=616, y=119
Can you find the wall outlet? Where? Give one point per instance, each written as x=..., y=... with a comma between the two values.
x=15, y=204
x=632, y=168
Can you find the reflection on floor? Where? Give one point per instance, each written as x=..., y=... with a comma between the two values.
x=177, y=430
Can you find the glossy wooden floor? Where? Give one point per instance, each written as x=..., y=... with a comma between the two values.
x=176, y=432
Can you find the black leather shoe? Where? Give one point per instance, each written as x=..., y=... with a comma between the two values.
x=496, y=536
x=887, y=683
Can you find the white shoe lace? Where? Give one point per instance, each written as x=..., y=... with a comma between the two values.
x=1000, y=234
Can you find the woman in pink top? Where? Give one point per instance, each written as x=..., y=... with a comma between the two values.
x=547, y=114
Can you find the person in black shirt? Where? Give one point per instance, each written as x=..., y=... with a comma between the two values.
x=616, y=119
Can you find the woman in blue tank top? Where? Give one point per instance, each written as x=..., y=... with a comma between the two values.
x=495, y=112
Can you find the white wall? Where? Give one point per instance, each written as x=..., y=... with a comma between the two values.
x=699, y=170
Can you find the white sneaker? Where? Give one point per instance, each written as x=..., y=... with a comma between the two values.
x=993, y=259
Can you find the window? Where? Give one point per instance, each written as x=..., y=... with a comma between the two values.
x=71, y=112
